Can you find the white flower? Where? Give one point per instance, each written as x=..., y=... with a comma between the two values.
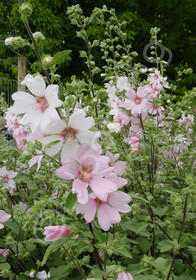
x=43, y=275
x=39, y=107
x=113, y=127
x=68, y=136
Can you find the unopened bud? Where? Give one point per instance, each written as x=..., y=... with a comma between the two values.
x=25, y=10
x=38, y=36
x=16, y=42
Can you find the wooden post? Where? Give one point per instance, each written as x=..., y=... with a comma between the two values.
x=21, y=72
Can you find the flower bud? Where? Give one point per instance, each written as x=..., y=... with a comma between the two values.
x=16, y=42
x=38, y=36
x=53, y=233
x=47, y=61
x=25, y=10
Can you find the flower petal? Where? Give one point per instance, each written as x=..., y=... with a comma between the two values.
x=107, y=216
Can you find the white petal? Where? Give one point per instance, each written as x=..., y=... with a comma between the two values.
x=36, y=85
x=51, y=94
x=24, y=102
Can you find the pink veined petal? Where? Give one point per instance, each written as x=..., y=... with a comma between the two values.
x=55, y=232
x=69, y=170
x=87, y=156
x=107, y=216
x=51, y=94
x=119, y=167
x=1, y=226
x=100, y=167
x=24, y=102
x=119, y=200
x=112, y=157
x=118, y=181
x=88, y=209
x=36, y=85
x=80, y=188
x=101, y=187
x=4, y=216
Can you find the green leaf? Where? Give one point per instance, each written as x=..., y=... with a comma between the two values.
x=62, y=56
x=164, y=246
x=71, y=201
x=52, y=248
x=60, y=272
x=123, y=252
x=139, y=228
x=101, y=237
x=144, y=243
x=146, y=277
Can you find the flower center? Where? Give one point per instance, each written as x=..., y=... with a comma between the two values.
x=138, y=100
x=69, y=134
x=85, y=175
x=41, y=104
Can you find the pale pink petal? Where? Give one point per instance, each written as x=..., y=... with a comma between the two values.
x=119, y=167
x=80, y=188
x=4, y=216
x=88, y=209
x=107, y=216
x=118, y=181
x=55, y=232
x=101, y=187
x=124, y=276
x=69, y=170
x=119, y=200
x=87, y=156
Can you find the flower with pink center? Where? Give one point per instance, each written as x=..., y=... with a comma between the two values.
x=67, y=137
x=108, y=211
x=4, y=217
x=7, y=177
x=39, y=107
x=154, y=90
x=156, y=78
x=53, y=233
x=89, y=169
x=136, y=102
x=124, y=276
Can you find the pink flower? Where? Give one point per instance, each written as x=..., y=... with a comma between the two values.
x=136, y=102
x=108, y=212
x=39, y=107
x=90, y=169
x=7, y=177
x=3, y=218
x=4, y=252
x=124, y=276
x=53, y=233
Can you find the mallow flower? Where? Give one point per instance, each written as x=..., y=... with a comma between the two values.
x=38, y=106
x=107, y=211
x=89, y=169
x=4, y=217
x=53, y=233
